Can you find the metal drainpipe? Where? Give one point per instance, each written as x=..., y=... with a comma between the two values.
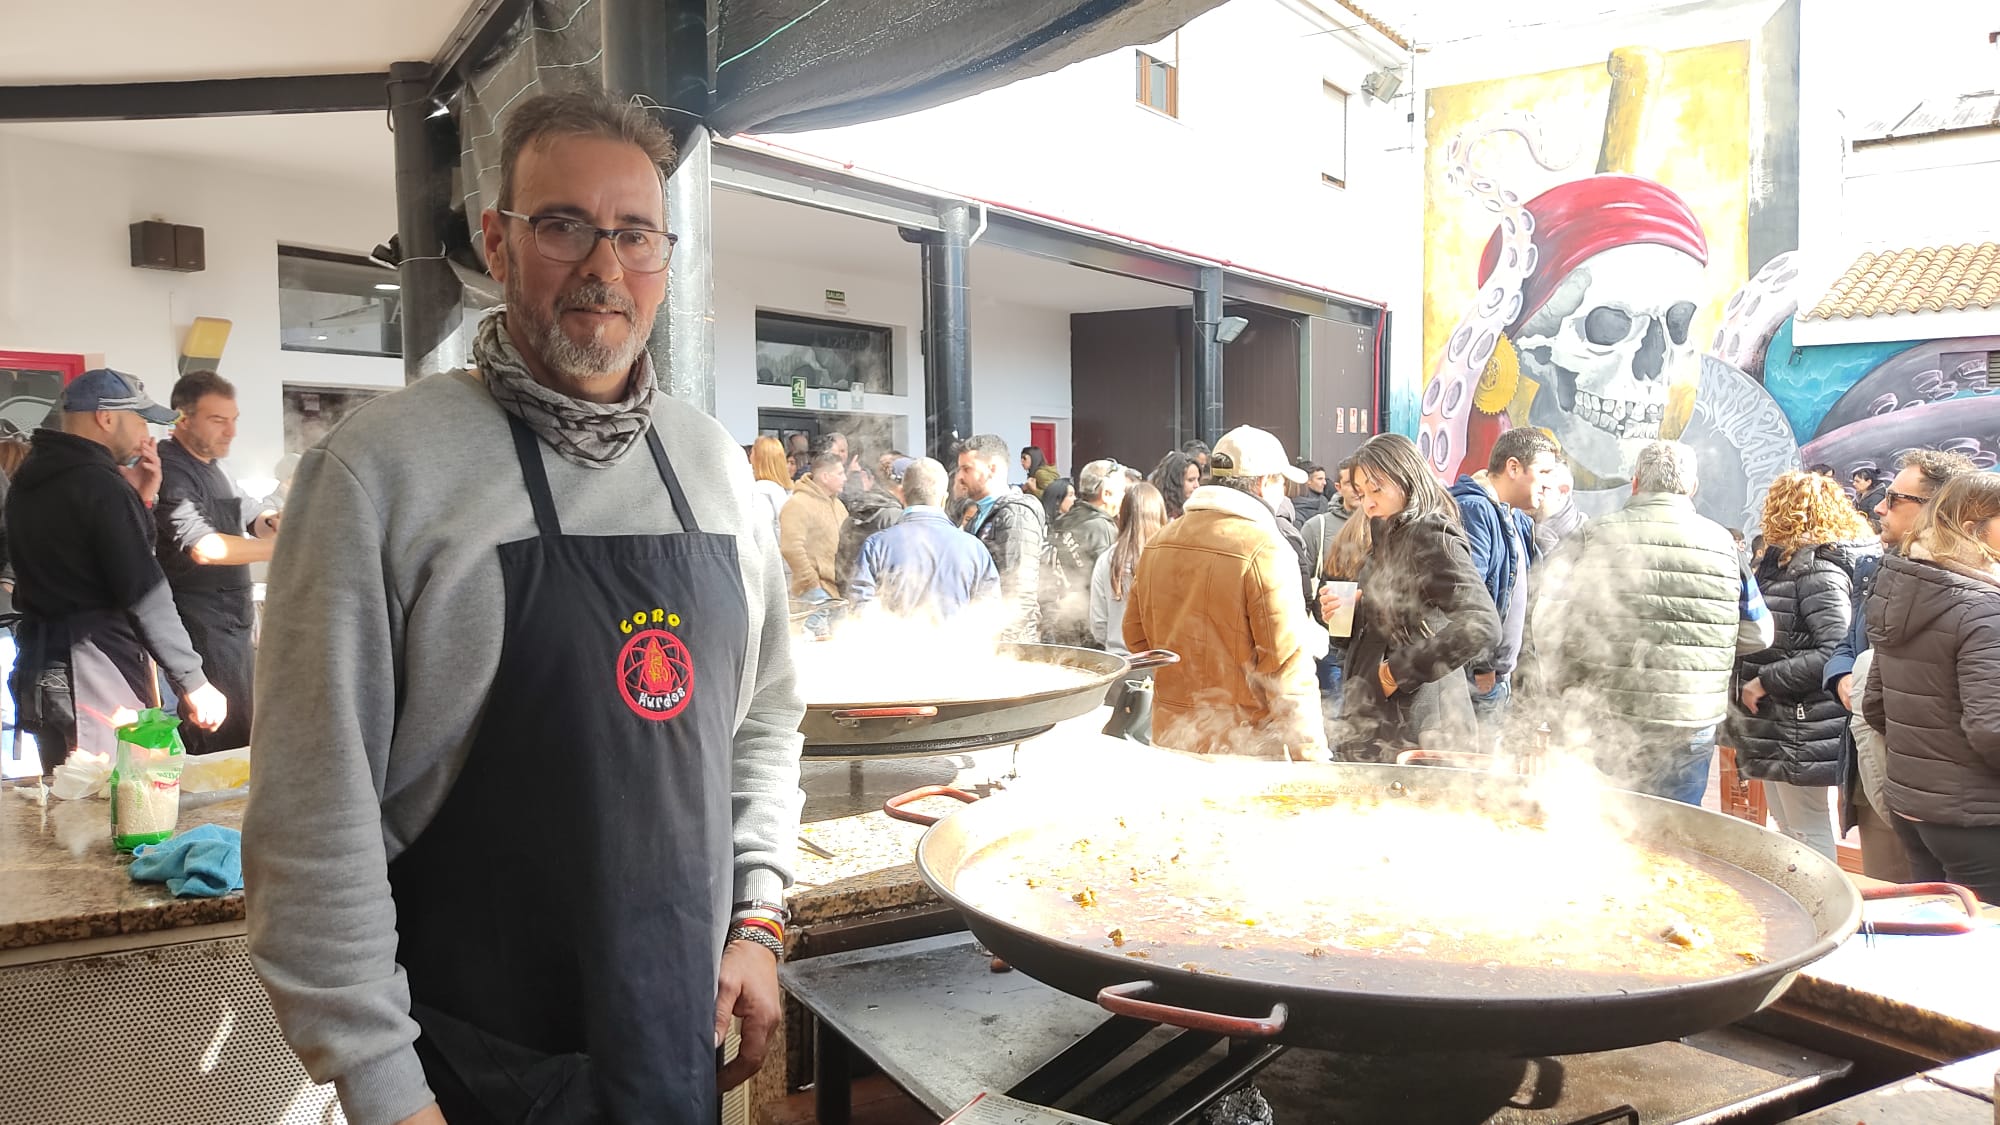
x=1208, y=357
x=432, y=303
x=947, y=331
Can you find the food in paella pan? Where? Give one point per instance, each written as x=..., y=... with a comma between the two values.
x=1302, y=886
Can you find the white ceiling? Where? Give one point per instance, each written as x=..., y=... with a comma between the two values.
x=352, y=148
x=792, y=234
x=63, y=41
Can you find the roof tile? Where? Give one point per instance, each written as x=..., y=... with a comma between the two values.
x=1914, y=279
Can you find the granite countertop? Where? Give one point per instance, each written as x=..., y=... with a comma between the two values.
x=61, y=880
x=1939, y=993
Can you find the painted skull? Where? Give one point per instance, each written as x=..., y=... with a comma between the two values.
x=1606, y=347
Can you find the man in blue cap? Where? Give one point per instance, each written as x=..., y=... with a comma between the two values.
x=94, y=603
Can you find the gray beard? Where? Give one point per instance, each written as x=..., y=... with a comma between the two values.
x=582, y=364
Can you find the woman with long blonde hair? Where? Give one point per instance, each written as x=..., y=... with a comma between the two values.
x=1934, y=689
x=774, y=477
x=1788, y=729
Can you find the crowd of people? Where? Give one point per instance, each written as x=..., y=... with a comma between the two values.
x=1484, y=611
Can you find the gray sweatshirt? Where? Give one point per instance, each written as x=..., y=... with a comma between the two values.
x=381, y=634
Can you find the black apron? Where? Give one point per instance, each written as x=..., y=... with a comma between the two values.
x=218, y=623
x=72, y=675
x=561, y=919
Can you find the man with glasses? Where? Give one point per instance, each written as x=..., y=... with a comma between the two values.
x=527, y=769
x=1919, y=474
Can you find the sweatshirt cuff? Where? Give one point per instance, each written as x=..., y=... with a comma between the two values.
x=384, y=1090
x=193, y=681
x=759, y=884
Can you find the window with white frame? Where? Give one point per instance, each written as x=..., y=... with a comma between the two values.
x=1333, y=136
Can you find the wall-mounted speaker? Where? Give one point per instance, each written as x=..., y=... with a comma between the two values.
x=168, y=246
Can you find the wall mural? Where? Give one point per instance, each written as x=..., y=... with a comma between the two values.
x=1618, y=305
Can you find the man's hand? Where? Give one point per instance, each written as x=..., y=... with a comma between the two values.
x=144, y=477
x=429, y=1115
x=266, y=526
x=1844, y=688
x=1387, y=680
x=1487, y=681
x=207, y=707
x=748, y=991
x=1753, y=694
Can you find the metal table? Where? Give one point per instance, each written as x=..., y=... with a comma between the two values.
x=939, y=1022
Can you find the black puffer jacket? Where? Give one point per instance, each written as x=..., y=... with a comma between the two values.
x=1934, y=690
x=867, y=513
x=1069, y=556
x=1013, y=531
x=1799, y=734
x=1426, y=613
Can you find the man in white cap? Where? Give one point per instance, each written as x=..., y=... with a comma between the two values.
x=1220, y=586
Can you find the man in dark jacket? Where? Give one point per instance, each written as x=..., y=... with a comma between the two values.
x=922, y=564
x=1868, y=493
x=1498, y=521
x=1075, y=540
x=1312, y=498
x=95, y=608
x=875, y=509
x=1012, y=526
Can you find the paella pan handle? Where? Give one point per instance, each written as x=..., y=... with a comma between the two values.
x=1130, y=1000
x=854, y=715
x=1152, y=658
x=894, y=805
x=1919, y=890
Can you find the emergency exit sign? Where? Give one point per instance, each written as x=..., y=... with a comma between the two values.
x=799, y=392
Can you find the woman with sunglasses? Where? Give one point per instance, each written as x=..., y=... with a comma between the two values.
x=1934, y=688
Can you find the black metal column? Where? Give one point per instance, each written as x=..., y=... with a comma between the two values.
x=1207, y=418
x=947, y=332
x=1383, y=397
x=431, y=300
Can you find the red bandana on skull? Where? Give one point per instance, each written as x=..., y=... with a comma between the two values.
x=1581, y=218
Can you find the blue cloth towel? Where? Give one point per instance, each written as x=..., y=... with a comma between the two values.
x=204, y=862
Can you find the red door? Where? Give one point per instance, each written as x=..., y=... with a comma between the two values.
x=1042, y=435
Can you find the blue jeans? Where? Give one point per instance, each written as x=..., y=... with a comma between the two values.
x=1490, y=709
x=1670, y=762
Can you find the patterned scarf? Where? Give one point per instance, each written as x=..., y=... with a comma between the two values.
x=592, y=434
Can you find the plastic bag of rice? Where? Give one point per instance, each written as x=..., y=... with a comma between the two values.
x=146, y=780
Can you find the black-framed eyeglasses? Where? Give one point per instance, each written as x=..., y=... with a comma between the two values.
x=560, y=238
x=1894, y=498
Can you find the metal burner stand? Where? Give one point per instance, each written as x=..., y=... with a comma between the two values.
x=941, y=1024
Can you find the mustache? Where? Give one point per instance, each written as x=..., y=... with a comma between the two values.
x=595, y=294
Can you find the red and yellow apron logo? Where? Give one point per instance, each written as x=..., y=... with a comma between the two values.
x=655, y=670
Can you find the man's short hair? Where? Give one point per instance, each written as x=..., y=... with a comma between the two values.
x=986, y=447
x=1133, y=476
x=824, y=442
x=1936, y=465
x=1523, y=444
x=1820, y=470
x=926, y=482
x=1091, y=478
x=1666, y=466
x=582, y=113
x=197, y=385
x=1195, y=448
x=826, y=459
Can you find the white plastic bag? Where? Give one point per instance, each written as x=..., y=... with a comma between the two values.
x=82, y=774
